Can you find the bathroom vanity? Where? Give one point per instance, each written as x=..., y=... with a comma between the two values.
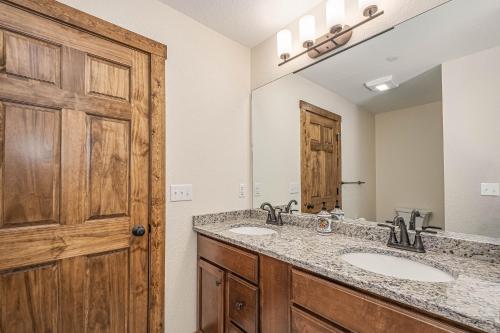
x=294, y=280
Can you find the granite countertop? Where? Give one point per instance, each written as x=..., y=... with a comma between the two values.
x=473, y=298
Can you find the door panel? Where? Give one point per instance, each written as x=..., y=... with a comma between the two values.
x=31, y=164
x=29, y=299
x=106, y=287
x=105, y=78
x=74, y=165
x=32, y=58
x=109, y=167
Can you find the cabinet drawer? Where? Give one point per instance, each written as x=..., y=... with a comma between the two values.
x=240, y=262
x=305, y=323
x=358, y=312
x=242, y=303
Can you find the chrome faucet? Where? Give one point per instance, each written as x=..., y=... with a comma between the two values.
x=404, y=243
x=288, y=208
x=271, y=214
x=413, y=219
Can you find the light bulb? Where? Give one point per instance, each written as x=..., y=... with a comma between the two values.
x=369, y=7
x=284, y=43
x=307, y=30
x=335, y=15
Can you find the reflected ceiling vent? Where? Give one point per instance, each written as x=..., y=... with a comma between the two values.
x=382, y=84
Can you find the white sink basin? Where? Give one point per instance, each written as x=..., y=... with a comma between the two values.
x=397, y=267
x=252, y=231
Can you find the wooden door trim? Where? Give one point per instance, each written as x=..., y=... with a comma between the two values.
x=94, y=25
x=304, y=106
x=157, y=54
x=157, y=195
x=308, y=107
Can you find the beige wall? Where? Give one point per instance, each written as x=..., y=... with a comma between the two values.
x=409, y=161
x=265, y=59
x=276, y=143
x=471, y=120
x=208, y=88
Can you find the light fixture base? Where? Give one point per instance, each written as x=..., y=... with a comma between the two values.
x=370, y=10
x=332, y=44
x=336, y=29
x=285, y=56
x=307, y=44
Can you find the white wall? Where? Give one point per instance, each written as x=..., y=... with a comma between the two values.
x=471, y=121
x=264, y=56
x=276, y=142
x=409, y=161
x=208, y=88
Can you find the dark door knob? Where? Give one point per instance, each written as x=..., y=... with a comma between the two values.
x=138, y=230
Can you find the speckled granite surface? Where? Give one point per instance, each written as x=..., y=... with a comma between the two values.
x=473, y=298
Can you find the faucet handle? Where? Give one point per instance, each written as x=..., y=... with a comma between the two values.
x=418, y=244
x=279, y=211
x=392, y=236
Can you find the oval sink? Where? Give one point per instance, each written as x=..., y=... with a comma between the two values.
x=397, y=267
x=253, y=231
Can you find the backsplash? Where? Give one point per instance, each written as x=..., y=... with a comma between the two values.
x=456, y=244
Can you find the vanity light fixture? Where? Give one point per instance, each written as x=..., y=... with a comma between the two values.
x=338, y=34
x=335, y=15
x=382, y=84
x=284, y=38
x=369, y=7
x=307, y=31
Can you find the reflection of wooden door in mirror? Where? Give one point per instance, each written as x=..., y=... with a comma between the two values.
x=74, y=149
x=320, y=158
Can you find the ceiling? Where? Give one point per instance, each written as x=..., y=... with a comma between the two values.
x=412, y=53
x=248, y=22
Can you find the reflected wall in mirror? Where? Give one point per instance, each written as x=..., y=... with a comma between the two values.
x=428, y=144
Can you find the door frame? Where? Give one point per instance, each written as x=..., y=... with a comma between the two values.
x=158, y=54
x=308, y=107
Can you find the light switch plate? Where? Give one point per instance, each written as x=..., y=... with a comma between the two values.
x=243, y=190
x=293, y=188
x=490, y=189
x=257, y=190
x=181, y=192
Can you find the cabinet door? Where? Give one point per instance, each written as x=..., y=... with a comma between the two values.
x=211, y=286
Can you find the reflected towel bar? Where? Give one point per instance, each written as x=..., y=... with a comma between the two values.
x=359, y=182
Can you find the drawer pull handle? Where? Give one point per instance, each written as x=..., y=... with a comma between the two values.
x=239, y=305
x=218, y=283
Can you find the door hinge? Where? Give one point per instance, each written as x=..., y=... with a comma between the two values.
x=149, y=227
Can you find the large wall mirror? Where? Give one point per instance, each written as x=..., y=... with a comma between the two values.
x=429, y=138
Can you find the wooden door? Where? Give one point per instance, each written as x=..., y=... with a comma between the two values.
x=74, y=163
x=211, y=286
x=320, y=158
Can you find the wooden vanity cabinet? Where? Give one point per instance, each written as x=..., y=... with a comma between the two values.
x=228, y=290
x=243, y=292
x=353, y=311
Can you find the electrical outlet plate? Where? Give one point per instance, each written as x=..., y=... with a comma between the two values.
x=257, y=190
x=293, y=188
x=181, y=192
x=490, y=189
x=243, y=190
